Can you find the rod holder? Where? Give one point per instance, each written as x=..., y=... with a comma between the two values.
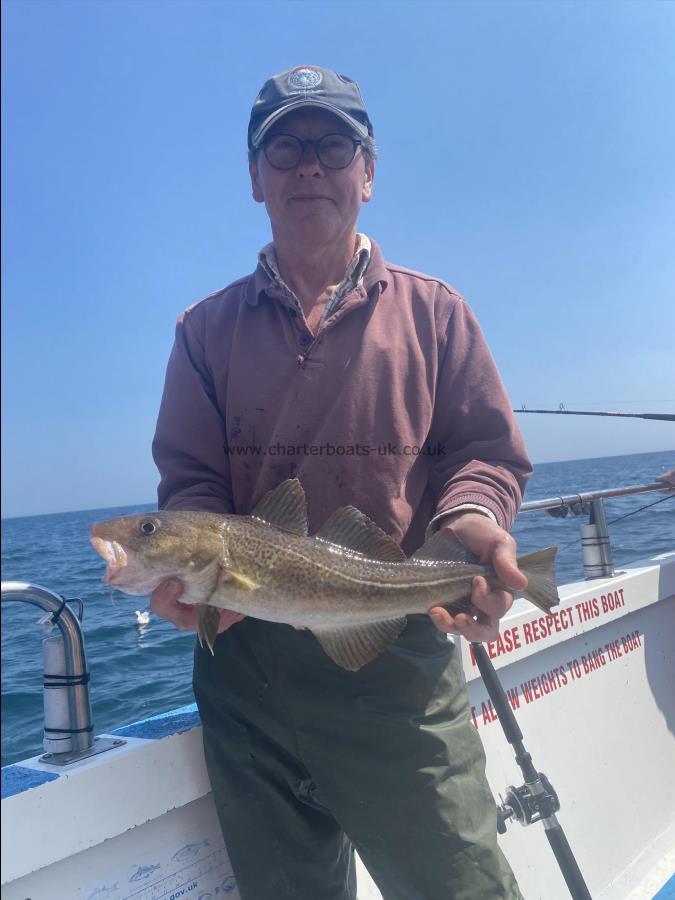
x=68, y=723
x=597, y=553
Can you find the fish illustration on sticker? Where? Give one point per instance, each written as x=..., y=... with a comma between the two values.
x=143, y=872
x=103, y=891
x=189, y=851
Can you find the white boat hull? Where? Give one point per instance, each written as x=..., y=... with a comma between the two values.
x=595, y=702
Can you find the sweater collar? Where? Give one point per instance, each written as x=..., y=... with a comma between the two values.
x=366, y=269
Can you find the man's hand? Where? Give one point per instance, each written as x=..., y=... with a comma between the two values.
x=495, y=547
x=166, y=604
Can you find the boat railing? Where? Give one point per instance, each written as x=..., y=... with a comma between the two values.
x=68, y=722
x=596, y=548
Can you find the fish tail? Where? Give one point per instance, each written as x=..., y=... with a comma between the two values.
x=541, y=585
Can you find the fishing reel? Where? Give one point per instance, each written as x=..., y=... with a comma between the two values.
x=574, y=509
x=528, y=803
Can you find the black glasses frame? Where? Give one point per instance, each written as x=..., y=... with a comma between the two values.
x=317, y=149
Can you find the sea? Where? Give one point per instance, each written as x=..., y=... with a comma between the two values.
x=139, y=670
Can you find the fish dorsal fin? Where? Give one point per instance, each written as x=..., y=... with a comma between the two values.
x=285, y=507
x=443, y=546
x=354, y=646
x=351, y=528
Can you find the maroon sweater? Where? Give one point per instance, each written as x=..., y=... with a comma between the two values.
x=395, y=406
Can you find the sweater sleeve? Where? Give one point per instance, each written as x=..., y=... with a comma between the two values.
x=190, y=438
x=484, y=460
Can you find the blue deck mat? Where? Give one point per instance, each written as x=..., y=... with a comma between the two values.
x=16, y=779
x=667, y=892
x=173, y=722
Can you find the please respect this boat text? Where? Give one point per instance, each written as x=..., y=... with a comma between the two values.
x=545, y=683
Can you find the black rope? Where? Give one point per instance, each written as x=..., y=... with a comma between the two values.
x=65, y=680
x=57, y=615
x=68, y=730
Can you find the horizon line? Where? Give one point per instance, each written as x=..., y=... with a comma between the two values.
x=150, y=503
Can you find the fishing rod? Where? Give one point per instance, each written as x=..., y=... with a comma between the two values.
x=536, y=800
x=664, y=417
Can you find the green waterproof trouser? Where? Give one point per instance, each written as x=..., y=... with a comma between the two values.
x=308, y=761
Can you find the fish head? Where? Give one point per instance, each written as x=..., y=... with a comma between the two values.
x=142, y=551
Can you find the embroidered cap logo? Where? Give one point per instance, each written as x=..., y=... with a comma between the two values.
x=304, y=78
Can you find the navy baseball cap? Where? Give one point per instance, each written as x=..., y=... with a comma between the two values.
x=307, y=86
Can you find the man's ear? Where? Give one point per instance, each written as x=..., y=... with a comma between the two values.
x=369, y=177
x=258, y=194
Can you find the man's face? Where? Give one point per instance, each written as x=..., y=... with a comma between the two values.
x=311, y=200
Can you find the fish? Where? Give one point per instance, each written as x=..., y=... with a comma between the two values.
x=143, y=872
x=350, y=583
x=189, y=850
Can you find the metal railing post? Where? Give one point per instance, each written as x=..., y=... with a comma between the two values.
x=597, y=553
x=71, y=731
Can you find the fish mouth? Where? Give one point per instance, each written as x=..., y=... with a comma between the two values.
x=125, y=569
x=115, y=556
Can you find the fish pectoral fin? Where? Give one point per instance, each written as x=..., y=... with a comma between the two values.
x=443, y=546
x=354, y=646
x=285, y=507
x=351, y=528
x=541, y=585
x=208, y=620
x=201, y=582
x=240, y=580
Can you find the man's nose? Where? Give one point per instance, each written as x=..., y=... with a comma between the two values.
x=309, y=164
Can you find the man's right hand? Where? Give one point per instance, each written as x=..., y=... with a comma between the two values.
x=165, y=602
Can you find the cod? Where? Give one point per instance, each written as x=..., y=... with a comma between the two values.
x=350, y=584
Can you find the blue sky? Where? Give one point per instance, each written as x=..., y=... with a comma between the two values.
x=526, y=156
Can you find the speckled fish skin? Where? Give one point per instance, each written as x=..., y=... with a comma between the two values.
x=300, y=580
x=276, y=572
x=310, y=582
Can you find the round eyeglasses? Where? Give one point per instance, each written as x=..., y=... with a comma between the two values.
x=334, y=151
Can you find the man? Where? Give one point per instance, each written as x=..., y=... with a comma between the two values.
x=373, y=385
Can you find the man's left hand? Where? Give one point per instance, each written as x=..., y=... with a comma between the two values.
x=494, y=547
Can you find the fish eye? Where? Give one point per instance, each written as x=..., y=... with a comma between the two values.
x=148, y=527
